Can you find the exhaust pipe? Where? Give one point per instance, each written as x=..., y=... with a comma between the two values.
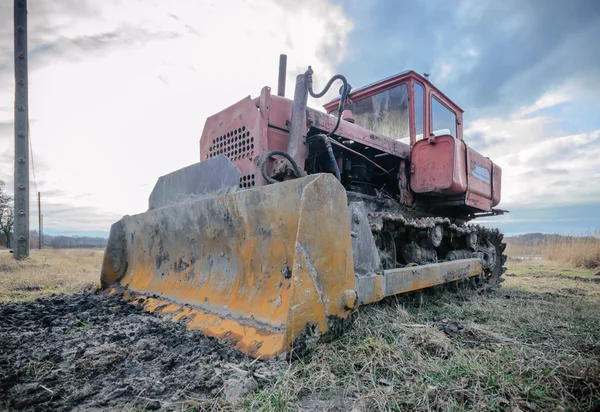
x=282, y=73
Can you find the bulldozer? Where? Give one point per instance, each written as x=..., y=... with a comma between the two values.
x=294, y=217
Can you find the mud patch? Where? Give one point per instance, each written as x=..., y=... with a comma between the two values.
x=92, y=351
x=559, y=276
x=26, y=288
x=340, y=400
x=574, y=291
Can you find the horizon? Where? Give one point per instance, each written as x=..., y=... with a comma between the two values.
x=119, y=94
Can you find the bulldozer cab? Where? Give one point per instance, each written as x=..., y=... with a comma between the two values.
x=405, y=107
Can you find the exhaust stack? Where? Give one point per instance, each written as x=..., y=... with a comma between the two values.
x=282, y=75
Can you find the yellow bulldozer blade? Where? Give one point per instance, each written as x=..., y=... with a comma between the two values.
x=269, y=268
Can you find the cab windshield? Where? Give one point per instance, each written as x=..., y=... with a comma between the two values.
x=385, y=113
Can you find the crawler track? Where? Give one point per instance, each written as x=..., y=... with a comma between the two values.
x=455, y=239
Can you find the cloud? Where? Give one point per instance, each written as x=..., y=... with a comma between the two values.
x=535, y=160
x=503, y=54
x=119, y=91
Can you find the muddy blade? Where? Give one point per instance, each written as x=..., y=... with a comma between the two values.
x=261, y=267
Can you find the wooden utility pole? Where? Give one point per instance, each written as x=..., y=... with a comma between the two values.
x=21, y=184
x=39, y=220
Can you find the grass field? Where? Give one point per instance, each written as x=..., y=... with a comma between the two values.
x=49, y=271
x=533, y=345
x=571, y=251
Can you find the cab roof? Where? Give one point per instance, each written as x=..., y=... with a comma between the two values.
x=385, y=84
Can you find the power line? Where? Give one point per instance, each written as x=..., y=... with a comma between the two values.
x=39, y=201
x=31, y=155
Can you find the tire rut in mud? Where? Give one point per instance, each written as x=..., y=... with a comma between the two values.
x=93, y=351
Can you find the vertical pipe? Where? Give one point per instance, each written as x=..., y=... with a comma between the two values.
x=21, y=184
x=296, y=145
x=282, y=75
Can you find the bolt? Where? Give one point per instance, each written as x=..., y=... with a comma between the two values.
x=287, y=273
x=349, y=297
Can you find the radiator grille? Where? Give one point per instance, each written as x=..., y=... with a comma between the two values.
x=236, y=144
x=247, y=181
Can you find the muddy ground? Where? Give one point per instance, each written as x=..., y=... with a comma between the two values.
x=91, y=351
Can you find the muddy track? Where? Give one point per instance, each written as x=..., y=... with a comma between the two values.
x=97, y=352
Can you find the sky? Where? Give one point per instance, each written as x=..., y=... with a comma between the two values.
x=120, y=90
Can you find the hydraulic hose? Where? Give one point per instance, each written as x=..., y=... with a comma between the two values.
x=344, y=95
x=334, y=163
x=263, y=165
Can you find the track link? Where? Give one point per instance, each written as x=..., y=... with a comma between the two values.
x=386, y=221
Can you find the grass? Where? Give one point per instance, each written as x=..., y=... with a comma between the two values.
x=533, y=345
x=573, y=251
x=49, y=271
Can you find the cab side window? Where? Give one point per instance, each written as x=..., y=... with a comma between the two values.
x=443, y=120
x=419, y=104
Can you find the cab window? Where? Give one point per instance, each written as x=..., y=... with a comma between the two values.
x=419, y=103
x=443, y=120
x=385, y=113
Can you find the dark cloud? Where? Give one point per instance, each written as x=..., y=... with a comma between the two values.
x=479, y=142
x=523, y=47
x=566, y=149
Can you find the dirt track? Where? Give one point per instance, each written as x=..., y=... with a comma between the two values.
x=97, y=352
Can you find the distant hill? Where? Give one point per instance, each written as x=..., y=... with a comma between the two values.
x=578, y=251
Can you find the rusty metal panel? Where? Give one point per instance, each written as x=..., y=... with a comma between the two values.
x=395, y=281
x=351, y=131
x=259, y=266
x=240, y=133
x=280, y=110
x=480, y=174
x=439, y=168
x=478, y=202
x=497, y=184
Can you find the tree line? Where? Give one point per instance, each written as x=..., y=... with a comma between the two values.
x=66, y=242
x=6, y=216
x=49, y=241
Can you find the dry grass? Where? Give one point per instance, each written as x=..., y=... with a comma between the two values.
x=575, y=251
x=533, y=345
x=49, y=271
